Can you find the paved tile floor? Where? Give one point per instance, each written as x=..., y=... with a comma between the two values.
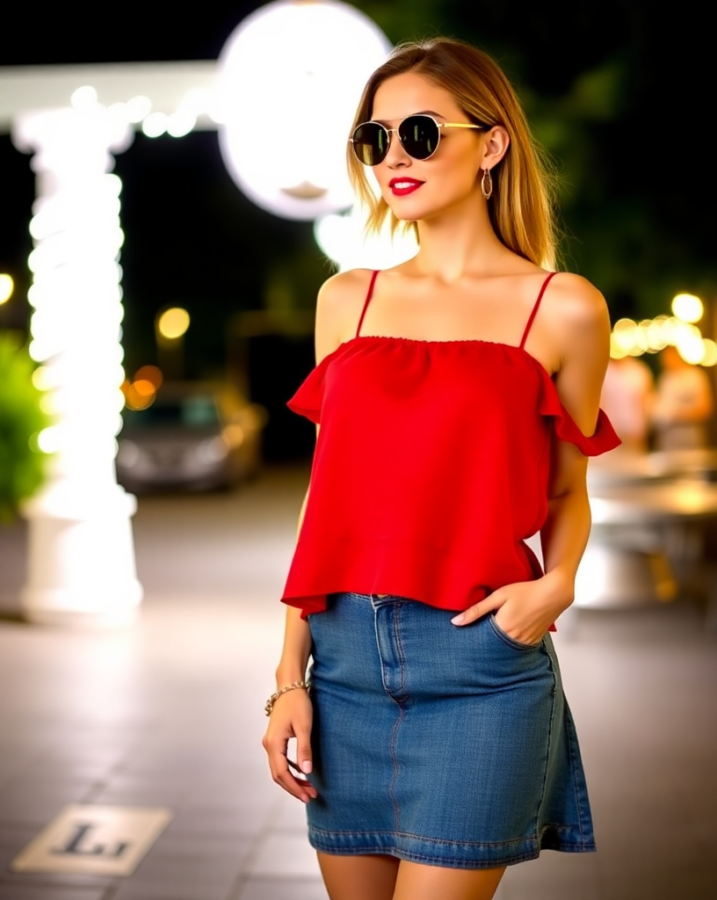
x=169, y=713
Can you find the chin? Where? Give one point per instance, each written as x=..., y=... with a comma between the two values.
x=405, y=218
x=412, y=209
x=406, y=211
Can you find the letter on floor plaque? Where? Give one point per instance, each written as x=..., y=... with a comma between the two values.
x=99, y=840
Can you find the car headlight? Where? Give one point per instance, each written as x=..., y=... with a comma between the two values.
x=211, y=451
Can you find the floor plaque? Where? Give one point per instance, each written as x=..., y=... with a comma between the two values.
x=96, y=840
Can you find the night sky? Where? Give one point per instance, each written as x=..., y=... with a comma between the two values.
x=646, y=179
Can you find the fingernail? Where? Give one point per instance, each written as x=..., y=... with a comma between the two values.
x=306, y=767
x=458, y=620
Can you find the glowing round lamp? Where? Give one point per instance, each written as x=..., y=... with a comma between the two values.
x=291, y=76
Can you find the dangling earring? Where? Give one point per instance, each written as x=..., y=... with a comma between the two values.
x=486, y=184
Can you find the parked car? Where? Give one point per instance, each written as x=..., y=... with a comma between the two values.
x=193, y=436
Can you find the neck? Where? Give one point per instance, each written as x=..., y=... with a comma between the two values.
x=460, y=241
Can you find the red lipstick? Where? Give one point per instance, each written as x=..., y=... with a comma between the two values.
x=404, y=185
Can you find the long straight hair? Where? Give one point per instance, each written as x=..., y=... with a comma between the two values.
x=521, y=208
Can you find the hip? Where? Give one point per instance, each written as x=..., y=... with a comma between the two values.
x=395, y=645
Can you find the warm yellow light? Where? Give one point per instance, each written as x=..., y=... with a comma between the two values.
x=151, y=374
x=173, y=323
x=233, y=435
x=7, y=286
x=710, y=357
x=690, y=345
x=616, y=350
x=628, y=339
x=136, y=399
x=688, y=308
x=143, y=387
x=624, y=325
x=641, y=344
x=656, y=337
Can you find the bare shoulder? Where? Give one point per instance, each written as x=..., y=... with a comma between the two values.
x=574, y=303
x=344, y=289
x=580, y=323
x=338, y=309
x=575, y=318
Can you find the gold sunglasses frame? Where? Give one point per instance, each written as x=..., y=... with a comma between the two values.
x=389, y=131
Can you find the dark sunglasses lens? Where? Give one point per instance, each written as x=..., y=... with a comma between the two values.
x=370, y=143
x=419, y=136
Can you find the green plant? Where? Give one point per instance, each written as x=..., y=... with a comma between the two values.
x=22, y=464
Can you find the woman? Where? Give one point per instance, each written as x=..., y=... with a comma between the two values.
x=455, y=393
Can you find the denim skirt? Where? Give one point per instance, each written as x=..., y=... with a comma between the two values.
x=444, y=745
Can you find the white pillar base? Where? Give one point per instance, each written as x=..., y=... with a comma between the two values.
x=81, y=567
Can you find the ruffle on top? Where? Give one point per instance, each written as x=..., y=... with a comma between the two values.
x=308, y=400
x=604, y=437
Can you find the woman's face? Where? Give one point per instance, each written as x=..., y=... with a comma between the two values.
x=420, y=189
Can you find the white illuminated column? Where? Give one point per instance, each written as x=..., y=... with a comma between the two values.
x=291, y=76
x=81, y=558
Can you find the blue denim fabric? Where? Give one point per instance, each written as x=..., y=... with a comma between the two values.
x=442, y=745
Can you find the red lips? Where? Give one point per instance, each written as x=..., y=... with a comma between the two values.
x=402, y=186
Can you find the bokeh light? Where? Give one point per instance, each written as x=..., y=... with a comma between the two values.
x=173, y=323
x=656, y=337
x=151, y=374
x=630, y=338
x=84, y=97
x=627, y=339
x=144, y=388
x=7, y=286
x=138, y=394
x=155, y=124
x=138, y=108
x=180, y=123
x=44, y=378
x=687, y=307
x=710, y=357
x=690, y=345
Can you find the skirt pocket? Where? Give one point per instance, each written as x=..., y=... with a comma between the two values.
x=507, y=639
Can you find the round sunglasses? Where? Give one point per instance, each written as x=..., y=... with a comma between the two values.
x=419, y=135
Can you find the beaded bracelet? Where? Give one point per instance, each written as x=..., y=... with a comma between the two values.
x=289, y=687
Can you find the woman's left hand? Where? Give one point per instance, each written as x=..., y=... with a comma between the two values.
x=525, y=610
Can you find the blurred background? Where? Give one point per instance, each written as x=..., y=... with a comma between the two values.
x=218, y=296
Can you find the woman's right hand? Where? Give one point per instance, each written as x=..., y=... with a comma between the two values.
x=291, y=717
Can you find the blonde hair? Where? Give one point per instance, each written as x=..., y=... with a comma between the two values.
x=521, y=208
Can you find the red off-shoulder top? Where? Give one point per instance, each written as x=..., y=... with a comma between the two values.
x=431, y=468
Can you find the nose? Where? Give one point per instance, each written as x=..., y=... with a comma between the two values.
x=396, y=156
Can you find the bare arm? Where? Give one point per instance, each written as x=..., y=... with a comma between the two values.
x=337, y=308
x=586, y=342
x=582, y=331
x=292, y=715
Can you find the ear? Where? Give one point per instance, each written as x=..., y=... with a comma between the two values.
x=495, y=146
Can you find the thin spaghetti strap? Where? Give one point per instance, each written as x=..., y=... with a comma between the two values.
x=535, y=308
x=367, y=300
